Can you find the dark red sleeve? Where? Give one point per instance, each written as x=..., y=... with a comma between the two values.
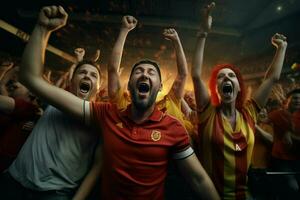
x=182, y=148
x=24, y=109
x=99, y=111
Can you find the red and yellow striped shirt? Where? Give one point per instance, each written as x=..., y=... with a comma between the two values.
x=226, y=153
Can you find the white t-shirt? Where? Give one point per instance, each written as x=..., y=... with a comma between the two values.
x=57, y=154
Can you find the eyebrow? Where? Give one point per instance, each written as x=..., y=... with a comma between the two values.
x=81, y=70
x=152, y=70
x=138, y=68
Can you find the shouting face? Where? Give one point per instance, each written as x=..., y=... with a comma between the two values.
x=86, y=82
x=144, y=85
x=228, y=85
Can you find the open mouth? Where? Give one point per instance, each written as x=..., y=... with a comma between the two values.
x=227, y=89
x=84, y=87
x=143, y=88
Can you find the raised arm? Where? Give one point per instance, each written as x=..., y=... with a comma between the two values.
x=273, y=73
x=194, y=173
x=79, y=54
x=5, y=67
x=182, y=71
x=186, y=109
x=201, y=93
x=31, y=73
x=128, y=23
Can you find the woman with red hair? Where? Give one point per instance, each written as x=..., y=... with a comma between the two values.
x=225, y=119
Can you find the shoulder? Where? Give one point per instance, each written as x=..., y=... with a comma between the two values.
x=173, y=123
x=102, y=105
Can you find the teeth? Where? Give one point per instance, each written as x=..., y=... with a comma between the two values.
x=227, y=89
x=84, y=87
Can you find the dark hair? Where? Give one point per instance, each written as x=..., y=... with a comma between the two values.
x=213, y=82
x=89, y=62
x=146, y=61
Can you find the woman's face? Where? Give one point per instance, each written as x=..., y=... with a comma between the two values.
x=228, y=85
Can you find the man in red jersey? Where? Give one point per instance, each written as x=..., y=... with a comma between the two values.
x=285, y=150
x=138, y=142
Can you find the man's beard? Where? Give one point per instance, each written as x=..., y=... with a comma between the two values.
x=143, y=104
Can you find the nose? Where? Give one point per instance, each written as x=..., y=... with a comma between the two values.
x=226, y=77
x=145, y=75
x=87, y=76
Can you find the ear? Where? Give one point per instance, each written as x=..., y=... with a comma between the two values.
x=160, y=87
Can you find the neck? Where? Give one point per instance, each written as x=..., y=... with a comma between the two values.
x=139, y=116
x=228, y=109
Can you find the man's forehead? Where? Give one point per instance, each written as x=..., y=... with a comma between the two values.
x=89, y=67
x=145, y=66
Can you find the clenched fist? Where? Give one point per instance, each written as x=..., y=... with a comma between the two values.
x=79, y=53
x=206, y=18
x=170, y=34
x=129, y=22
x=52, y=17
x=279, y=40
